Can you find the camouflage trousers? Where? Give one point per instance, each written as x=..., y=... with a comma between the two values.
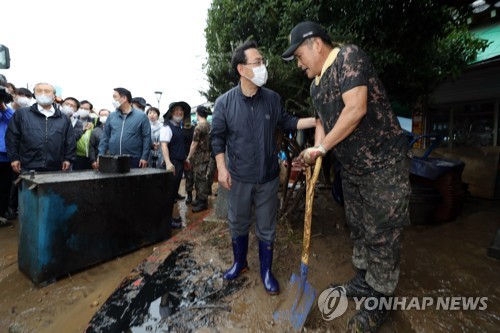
x=212, y=166
x=200, y=170
x=377, y=209
x=189, y=176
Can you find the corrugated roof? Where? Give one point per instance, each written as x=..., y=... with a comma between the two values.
x=492, y=34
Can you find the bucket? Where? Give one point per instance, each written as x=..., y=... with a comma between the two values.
x=424, y=202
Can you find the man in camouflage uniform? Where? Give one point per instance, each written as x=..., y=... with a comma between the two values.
x=355, y=119
x=199, y=154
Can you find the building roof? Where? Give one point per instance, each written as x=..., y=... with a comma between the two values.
x=491, y=34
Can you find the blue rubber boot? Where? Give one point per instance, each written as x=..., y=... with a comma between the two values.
x=266, y=261
x=240, y=265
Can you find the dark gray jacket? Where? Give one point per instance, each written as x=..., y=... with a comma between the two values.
x=40, y=143
x=247, y=126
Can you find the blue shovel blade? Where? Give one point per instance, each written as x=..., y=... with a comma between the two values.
x=296, y=307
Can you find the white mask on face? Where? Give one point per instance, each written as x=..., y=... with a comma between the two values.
x=83, y=113
x=177, y=119
x=67, y=110
x=259, y=75
x=44, y=100
x=23, y=101
x=116, y=104
x=103, y=119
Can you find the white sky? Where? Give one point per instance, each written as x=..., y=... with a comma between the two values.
x=90, y=47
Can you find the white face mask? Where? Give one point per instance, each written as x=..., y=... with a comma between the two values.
x=23, y=101
x=259, y=75
x=103, y=119
x=44, y=100
x=116, y=104
x=83, y=113
x=177, y=119
x=67, y=110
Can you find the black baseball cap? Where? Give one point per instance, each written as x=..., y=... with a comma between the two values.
x=300, y=33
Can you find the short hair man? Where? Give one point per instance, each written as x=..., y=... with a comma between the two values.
x=127, y=131
x=40, y=137
x=199, y=154
x=244, y=123
x=139, y=103
x=355, y=119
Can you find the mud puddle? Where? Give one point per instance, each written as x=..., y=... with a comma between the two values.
x=183, y=295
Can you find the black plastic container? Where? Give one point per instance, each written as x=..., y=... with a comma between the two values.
x=114, y=163
x=424, y=202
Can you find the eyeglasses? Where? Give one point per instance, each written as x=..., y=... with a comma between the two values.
x=258, y=62
x=44, y=91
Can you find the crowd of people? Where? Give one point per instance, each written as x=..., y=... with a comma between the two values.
x=42, y=132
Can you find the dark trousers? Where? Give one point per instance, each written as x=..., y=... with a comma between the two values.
x=179, y=169
x=6, y=178
x=263, y=198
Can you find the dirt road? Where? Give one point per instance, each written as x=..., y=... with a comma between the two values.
x=443, y=260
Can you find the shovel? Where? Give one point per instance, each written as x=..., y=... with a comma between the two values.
x=295, y=308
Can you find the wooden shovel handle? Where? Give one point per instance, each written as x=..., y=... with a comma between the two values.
x=310, y=184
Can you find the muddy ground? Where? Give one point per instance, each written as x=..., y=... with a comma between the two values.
x=446, y=259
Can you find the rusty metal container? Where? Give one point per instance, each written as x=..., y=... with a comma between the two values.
x=69, y=221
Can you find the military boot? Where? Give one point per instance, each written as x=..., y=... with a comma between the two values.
x=357, y=286
x=201, y=206
x=371, y=316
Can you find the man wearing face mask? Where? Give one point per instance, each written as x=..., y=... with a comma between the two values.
x=244, y=124
x=40, y=137
x=68, y=107
x=172, y=141
x=172, y=146
x=22, y=98
x=95, y=137
x=127, y=131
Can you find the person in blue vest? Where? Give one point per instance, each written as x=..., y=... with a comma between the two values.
x=172, y=145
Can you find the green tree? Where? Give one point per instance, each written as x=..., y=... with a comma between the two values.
x=414, y=45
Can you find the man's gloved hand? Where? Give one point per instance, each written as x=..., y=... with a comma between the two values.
x=309, y=155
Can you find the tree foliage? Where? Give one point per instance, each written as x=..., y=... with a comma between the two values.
x=414, y=44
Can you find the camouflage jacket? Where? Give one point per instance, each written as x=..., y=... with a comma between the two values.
x=378, y=140
x=201, y=135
